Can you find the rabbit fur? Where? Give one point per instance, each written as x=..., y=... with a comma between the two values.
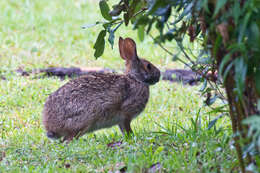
x=96, y=101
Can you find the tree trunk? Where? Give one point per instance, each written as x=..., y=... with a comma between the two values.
x=240, y=110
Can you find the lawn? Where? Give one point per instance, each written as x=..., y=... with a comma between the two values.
x=171, y=133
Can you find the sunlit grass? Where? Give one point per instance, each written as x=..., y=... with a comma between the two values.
x=38, y=34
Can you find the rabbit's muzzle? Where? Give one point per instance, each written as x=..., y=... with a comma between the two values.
x=152, y=79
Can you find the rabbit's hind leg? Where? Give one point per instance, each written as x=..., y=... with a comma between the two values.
x=125, y=127
x=70, y=136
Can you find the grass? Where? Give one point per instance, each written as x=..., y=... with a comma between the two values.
x=172, y=130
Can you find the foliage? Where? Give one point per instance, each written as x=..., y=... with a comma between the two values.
x=228, y=35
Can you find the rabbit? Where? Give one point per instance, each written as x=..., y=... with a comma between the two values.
x=97, y=101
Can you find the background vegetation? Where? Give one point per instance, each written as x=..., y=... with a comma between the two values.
x=171, y=134
x=228, y=56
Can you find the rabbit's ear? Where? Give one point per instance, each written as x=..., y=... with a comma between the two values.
x=130, y=49
x=127, y=49
x=121, y=48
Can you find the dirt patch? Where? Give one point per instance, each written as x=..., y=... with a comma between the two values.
x=63, y=72
x=187, y=77
x=181, y=75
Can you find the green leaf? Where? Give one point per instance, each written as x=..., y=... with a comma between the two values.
x=108, y=24
x=213, y=122
x=205, y=5
x=223, y=64
x=142, y=20
x=219, y=5
x=168, y=36
x=150, y=25
x=158, y=151
x=212, y=100
x=217, y=45
x=132, y=8
x=204, y=85
x=236, y=11
x=126, y=19
x=254, y=37
x=175, y=57
x=111, y=38
x=90, y=25
x=155, y=4
x=100, y=44
x=104, y=8
x=117, y=9
x=219, y=109
x=240, y=75
x=187, y=10
x=141, y=32
x=243, y=27
x=112, y=34
x=253, y=120
x=230, y=65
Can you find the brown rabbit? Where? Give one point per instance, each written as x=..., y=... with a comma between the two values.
x=98, y=101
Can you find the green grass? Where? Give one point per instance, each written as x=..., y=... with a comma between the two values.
x=38, y=34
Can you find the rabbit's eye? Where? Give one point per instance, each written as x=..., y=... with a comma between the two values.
x=149, y=66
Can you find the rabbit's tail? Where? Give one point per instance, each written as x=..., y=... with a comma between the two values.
x=52, y=135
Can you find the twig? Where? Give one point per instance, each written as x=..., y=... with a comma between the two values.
x=139, y=12
x=170, y=53
x=122, y=20
x=185, y=54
